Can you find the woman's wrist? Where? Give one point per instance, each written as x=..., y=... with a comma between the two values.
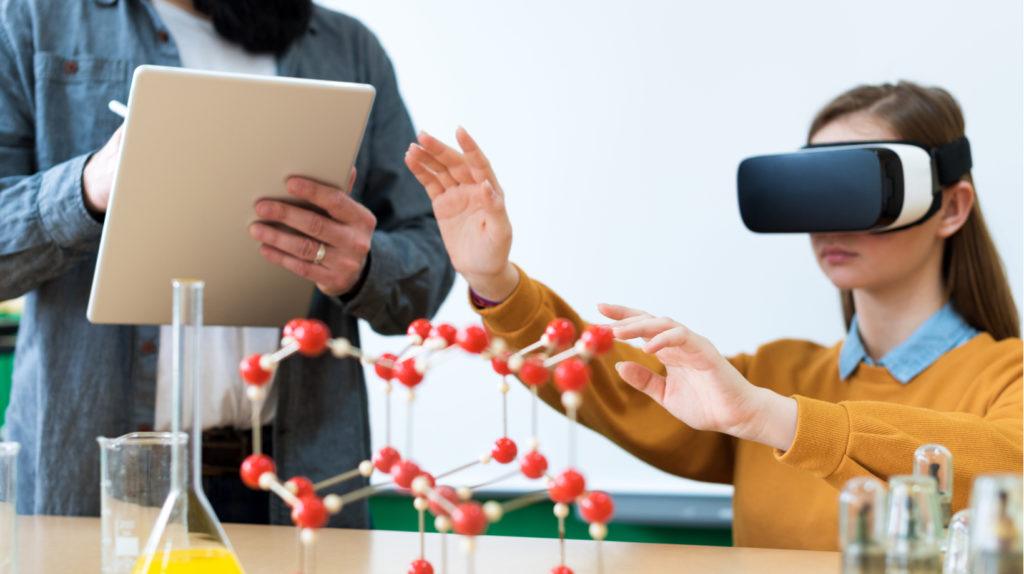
x=774, y=420
x=495, y=288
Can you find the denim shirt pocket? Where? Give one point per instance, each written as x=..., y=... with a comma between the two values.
x=72, y=93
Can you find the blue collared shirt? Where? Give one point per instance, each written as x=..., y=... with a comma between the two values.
x=941, y=333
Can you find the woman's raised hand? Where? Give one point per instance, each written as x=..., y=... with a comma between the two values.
x=700, y=387
x=470, y=209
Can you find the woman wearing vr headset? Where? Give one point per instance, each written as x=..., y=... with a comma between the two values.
x=933, y=353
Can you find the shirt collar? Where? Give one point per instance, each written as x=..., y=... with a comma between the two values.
x=944, y=331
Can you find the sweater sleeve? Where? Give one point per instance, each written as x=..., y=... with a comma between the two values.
x=610, y=406
x=838, y=441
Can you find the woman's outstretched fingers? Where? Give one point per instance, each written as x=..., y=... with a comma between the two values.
x=618, y=312
x=678, y=336
x=479, y=165
x=452, y=159
x=646, y=328
x=642, y=379
x=423, y=175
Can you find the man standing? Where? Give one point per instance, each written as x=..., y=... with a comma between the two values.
x=377, y=257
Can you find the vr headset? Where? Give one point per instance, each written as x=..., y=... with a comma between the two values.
x=862, y=186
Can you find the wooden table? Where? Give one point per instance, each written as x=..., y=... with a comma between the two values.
x=60, y=544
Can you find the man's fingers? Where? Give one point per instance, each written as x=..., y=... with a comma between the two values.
x=642, y=379
x=452, y=159
x=315, y=273
x=351, y=181
x=338, y=204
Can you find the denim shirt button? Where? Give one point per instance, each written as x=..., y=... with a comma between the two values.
x=148, y=348
x=71, y=67
x=162, y=36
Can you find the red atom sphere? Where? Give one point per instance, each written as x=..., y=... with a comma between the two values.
x=385, y=366
x=533, y=464
x=253, y=468
x=567, y=486
x=421, y=566
x=419, y=330
x=252, y=372
x=312, y=336
x=596, y=507
x=563, y=569
x=469, y=519
x=386, y=458
x=446, y=332
x=446, y=492
x=404, y=472
x=533, y=373
x=474, y=339
x=572, y=375
x=500, y=365
x=429, y=477
x=597, y=339
x=289, y=328
x=560, y=333
x=504, y=450
x=303, y=486
x=407, y=374
x=309, y=512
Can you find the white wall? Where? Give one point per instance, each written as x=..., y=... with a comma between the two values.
x=616, y=129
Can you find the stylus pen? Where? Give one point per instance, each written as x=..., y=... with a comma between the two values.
x=118, y=108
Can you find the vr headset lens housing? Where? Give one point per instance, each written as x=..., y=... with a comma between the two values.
x=864, y=186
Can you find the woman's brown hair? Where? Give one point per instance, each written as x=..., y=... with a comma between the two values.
x=973, y=273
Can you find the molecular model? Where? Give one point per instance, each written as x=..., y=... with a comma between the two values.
x=557, y=355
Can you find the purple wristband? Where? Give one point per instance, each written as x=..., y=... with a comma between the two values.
x=481, y=302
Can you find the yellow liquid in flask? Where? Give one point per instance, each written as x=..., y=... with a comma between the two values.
x=191, y=561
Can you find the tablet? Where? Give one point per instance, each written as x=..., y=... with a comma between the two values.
x=199, y=149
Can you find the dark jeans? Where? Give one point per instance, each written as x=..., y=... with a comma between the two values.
x=230, y=498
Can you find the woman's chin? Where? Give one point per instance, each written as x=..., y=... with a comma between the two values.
x=845, y=279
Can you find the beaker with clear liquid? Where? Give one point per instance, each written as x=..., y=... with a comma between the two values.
x=187, y=537
x=135, y=478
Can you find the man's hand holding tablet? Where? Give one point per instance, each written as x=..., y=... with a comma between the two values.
x=328, y=248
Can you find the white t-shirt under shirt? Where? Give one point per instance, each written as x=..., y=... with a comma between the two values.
x=225, y=405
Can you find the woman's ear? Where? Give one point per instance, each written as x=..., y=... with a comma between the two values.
x=957, y=202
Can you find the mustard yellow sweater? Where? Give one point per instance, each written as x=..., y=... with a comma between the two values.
x=969, y=400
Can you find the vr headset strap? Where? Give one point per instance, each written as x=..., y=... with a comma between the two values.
x=952, y=160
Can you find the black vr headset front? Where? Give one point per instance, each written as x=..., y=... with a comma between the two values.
x=859, y=186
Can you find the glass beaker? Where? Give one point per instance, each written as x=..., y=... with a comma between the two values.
x=135, y=478
x=8, y=507
x=997, y=525
x=187, y=536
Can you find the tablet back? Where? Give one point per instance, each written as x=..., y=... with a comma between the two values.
x=199, y=149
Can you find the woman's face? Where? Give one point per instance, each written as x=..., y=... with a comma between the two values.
x=872, y=260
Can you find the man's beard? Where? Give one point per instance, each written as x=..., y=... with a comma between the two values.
x=259, y=26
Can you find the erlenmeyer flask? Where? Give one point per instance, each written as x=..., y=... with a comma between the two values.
x=187, y=536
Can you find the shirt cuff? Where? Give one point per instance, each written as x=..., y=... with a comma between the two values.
x=367, y=297
x=518, y=311
x=822, y=437
x=62, y=205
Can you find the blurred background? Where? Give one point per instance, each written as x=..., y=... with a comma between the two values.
x=616, y=130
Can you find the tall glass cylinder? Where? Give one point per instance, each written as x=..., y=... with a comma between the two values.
x=914, y=526
x=8, y=507
x=862, y=526
x=996, y=525
x=187, y=537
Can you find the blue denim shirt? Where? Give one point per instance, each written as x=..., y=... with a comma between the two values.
x=61, y=61
x=944, y=331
